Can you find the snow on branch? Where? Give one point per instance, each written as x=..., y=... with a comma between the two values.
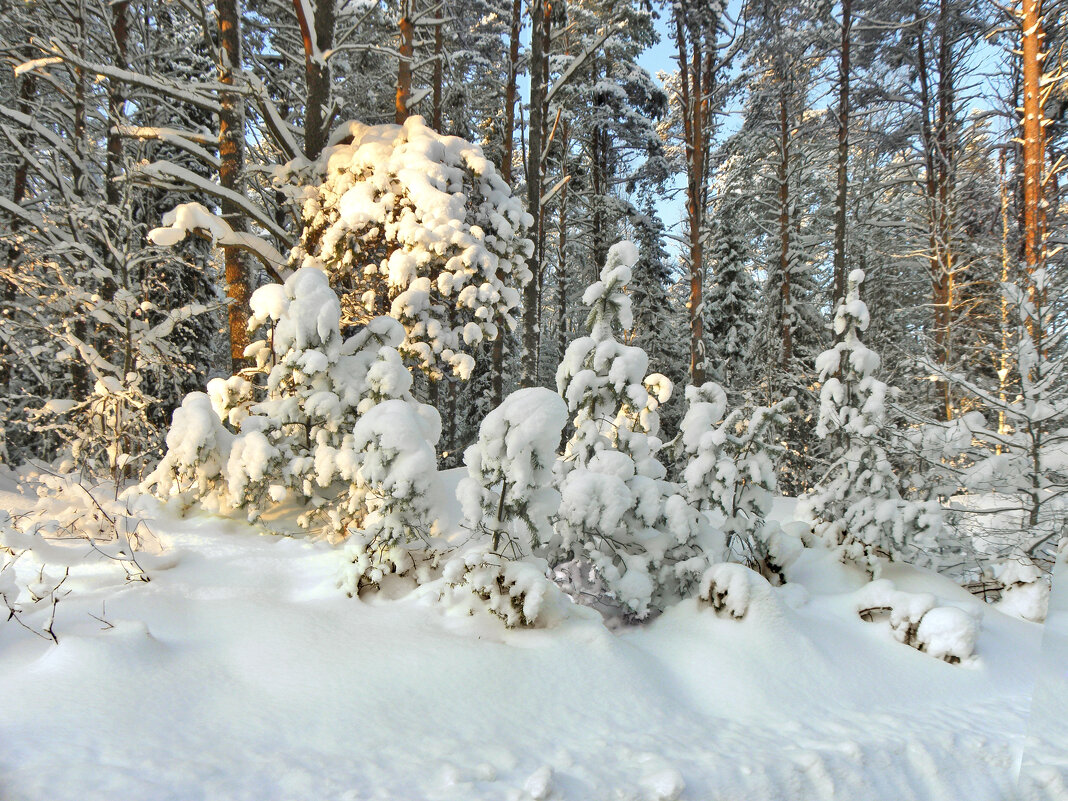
x=202, y=95
x=193, y=218
x=579, y=60
x=186, y=140
x=164, y=170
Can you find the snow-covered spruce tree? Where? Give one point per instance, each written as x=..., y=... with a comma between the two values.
x=625, y=536
x=508, y=499
x=729, y=328
x=857, y=506
x=419, y=226
x=324, y=422
x=730, y=472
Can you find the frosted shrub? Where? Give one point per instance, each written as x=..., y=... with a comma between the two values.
x=72, y=528
x=508, y=500
x=857, y=507
x=916, y=619
x=394, y=487
x=516, y=591
x=508, y=494
x=625, y=535
x=304, y=425
x=418, y=225
x=1026, y=589
x=727, y=588
x=730, y=471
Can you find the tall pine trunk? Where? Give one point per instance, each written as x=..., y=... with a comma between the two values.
x=318, y=37
x=539, y=41
x=404, y=63
x=692, y=72
x=841, y=195
x=507, y=157
x=231, y=175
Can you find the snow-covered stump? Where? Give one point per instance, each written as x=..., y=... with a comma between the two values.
x=948, y=633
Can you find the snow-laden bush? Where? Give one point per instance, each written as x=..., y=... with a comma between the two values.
x=418, y=225
x=395, y=489
x=298, y=428
x=514, y=590
x=728, y=589
x=625, y=535
x=730, y=470
x=945, y=632
x=857, y=507
x=508, y=494
x=1026, y=589
x=508, y=500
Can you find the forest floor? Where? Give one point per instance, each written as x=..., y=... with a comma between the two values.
x=240, y=671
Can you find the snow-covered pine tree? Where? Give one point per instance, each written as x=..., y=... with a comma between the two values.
x=857, y=507
x=508, y=500
x=625, y=535
x=508, y=494
x=730, y=472
x=323, y=422
x=1014, y=454
x=729, y=327
x=419, y=226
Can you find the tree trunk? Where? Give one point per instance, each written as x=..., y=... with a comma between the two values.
x=318, y=37
x=785, y=266
x=843, y=161
x=506, y=173
x=539, y=40
x=692, y=69
x=1033, y=153
x=80, y=380
x=404, y=65
x=19, y=184
x=231, y=176
x=935, y=188
x=439, y=77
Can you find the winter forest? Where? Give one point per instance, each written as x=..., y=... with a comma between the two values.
x=534, y=399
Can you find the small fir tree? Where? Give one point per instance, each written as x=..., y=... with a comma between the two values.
x=625, y=534
x=857, y=507
x=730, y=471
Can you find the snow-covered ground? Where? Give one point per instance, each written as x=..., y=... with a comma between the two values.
x=241, y=672
x=1045, y=765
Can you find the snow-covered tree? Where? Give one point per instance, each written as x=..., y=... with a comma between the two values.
x=857, y=506
x=419, y=226
x=624, y=534
x=1017, y=455
x=508, y=493
x=730, y=470
x=508, y=499
x=304, y=426
x=729, y=326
